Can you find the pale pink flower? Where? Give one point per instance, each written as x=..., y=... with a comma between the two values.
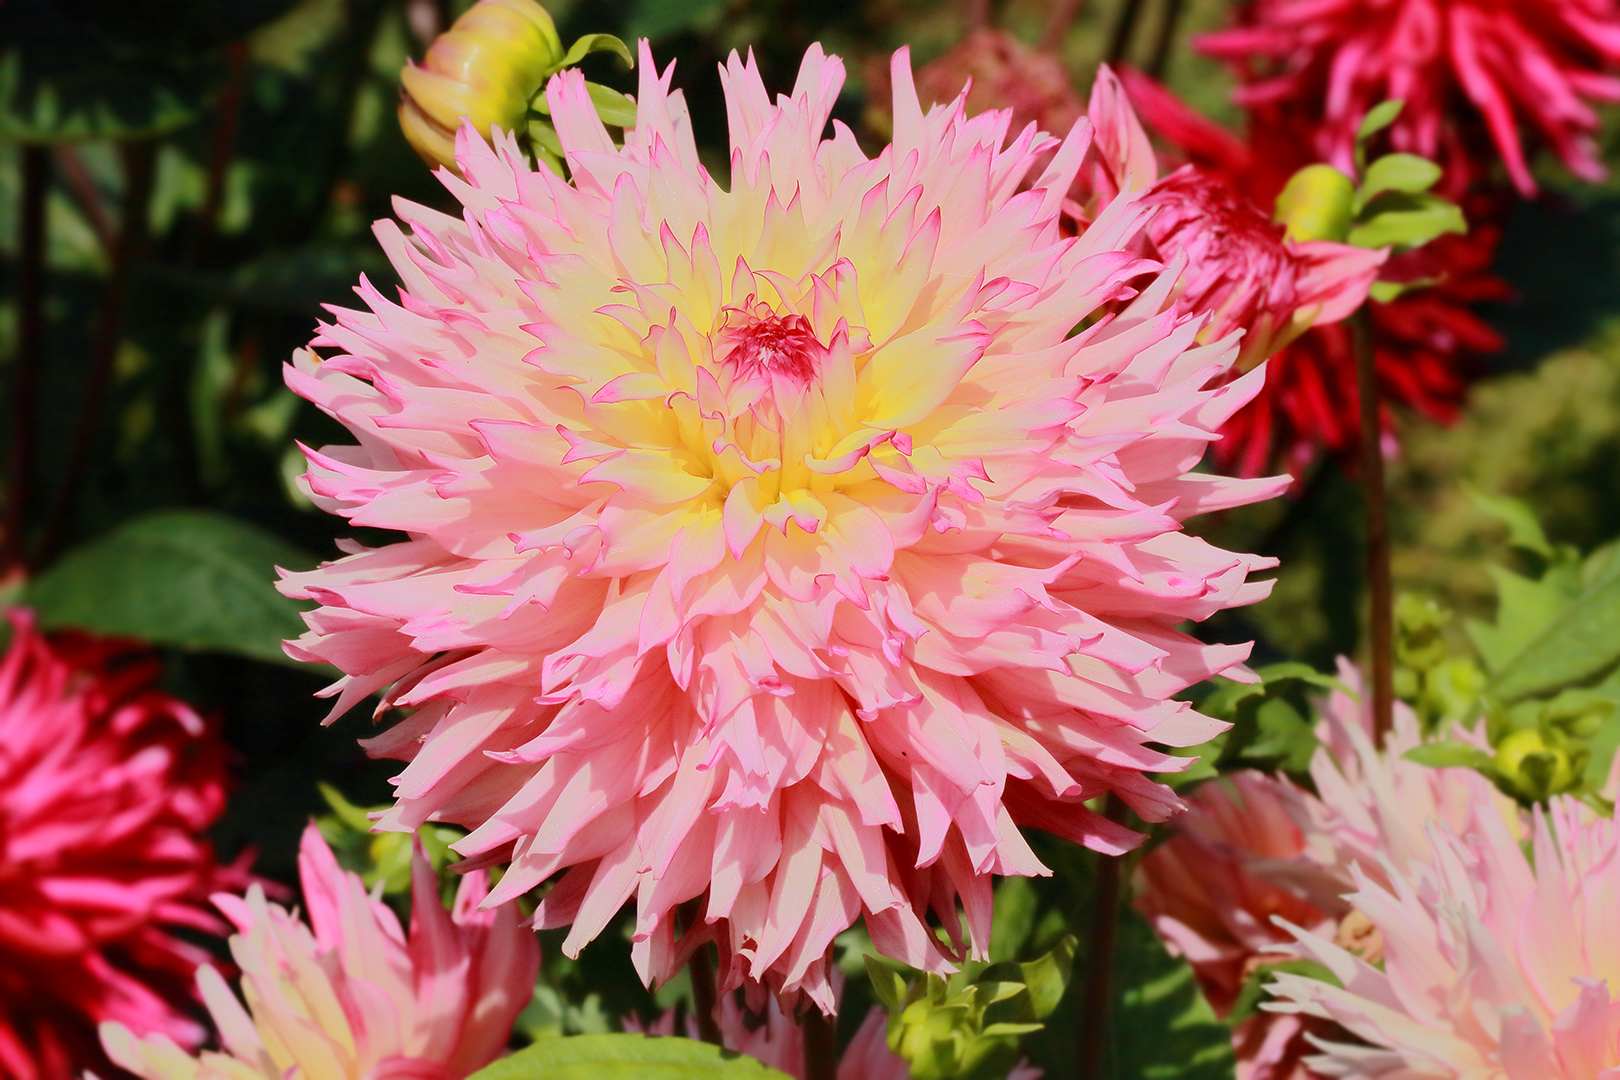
x=1253, y=848
x=108, y=787
x=782, y=548
x=1537, y=63
x=349, y=996
x=1495, y=966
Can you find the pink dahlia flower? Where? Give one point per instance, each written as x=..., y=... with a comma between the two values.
x=107, y=787
x=1514, y=62
x=1240, y=267
x=1428, y=344
x=782, y=548
x=350, y=996
x=1253, y=848
x=1494, y=965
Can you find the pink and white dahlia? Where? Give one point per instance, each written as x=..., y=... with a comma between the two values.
x=349, y=996
x=1495, y=965
x=1458, y=65
x=107, y=789
x=783, y=548
x=1252, y=848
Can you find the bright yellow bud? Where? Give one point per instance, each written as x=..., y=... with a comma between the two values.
x=1534, y=768
x=1316, y=204
x=485, y=68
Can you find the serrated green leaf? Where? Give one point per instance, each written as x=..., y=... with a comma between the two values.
x=193, y=579
x=614, y=108
x=1162, y=1028
x=626, y=1057
x=594, y=43
x=1525, y=607
x=1405, y=221
x=1378, y=118
x=1444, y=755
x=1396, y=172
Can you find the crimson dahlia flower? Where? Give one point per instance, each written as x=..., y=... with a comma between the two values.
x=783, y=548
x=1502, y=63
x=1428, y=344
x=107, y=786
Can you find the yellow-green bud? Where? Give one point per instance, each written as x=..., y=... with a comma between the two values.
x=485, y=68
x=1532, y=766
x=1316, y=204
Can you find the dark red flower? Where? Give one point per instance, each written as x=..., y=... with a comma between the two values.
x=1466, y=69
x=106, y=788
x=1429, y=342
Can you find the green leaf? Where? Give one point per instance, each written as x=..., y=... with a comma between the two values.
x=660, y=18
x=1525, y=607
x=1162, y=1028
x=1580, y=644
x=194, y=579
x=1048, y=977
x=888, y=984
x=1444, y=755
x=1402, y=220
x=1524, y=531
x=1378, y=118
x=594, y=43
x=614, y=108
x=626, y=1057
x=1396, y=172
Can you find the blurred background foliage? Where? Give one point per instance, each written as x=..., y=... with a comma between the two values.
x=207, y=170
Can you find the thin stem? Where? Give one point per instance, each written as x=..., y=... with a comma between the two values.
x=1058, y=21
x=1093, y=1021
x=1166, y=40
x=701, y=969
x=36, y=179
x=227, y=112
x=82, y=190
x=976, y=14
x=134, y=206
x=1124, y=30
x=820, y=1044
x=1380, y=591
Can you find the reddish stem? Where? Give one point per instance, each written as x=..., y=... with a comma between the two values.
x=820, y=1044
x=1058, y=21
x=219, y=156
x=1381, y=625
x=82, y=190
x=1095, y=1003
x=1166, y=40
x=138, y=159
x=1124, y=31
x=36, y=179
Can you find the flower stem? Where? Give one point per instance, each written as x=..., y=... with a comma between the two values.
x=36, y=179
x=1093, y=1020
x=1381, y=627
x=976, y=14
x=139, y=157
x=701, y=970
x=1166, y=40
x=820, y=1044
x=1124, y=30
x=1062, y=16
x=227, y=112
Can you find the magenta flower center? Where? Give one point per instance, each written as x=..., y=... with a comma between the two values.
x=781, y=345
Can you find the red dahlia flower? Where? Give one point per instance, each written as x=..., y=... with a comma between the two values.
x=1429, y=342
x=1513, y=62
x=106, y=788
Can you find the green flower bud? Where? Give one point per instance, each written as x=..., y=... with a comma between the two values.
x=1316, y=204
x=1535, y=766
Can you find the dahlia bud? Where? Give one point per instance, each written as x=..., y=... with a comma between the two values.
x=1316, y=204
x=1538, y=765
x=485, y=68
